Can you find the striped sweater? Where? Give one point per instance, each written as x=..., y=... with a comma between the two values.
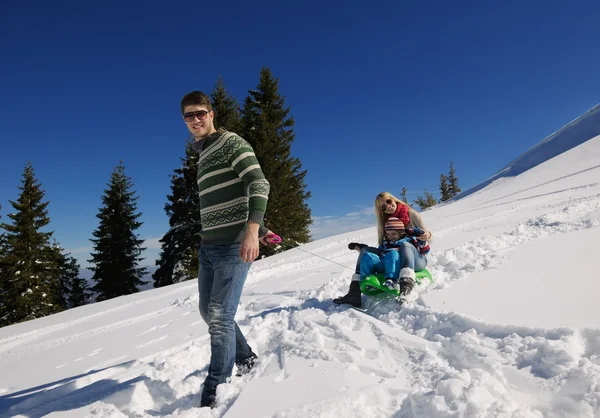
x=233, y=189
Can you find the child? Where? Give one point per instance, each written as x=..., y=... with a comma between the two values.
x=396, y=236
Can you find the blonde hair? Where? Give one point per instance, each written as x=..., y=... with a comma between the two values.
x=379, y=213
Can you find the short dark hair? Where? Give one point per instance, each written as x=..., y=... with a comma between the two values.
x=195, y=98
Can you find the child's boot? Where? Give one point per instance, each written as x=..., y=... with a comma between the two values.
x=392, y=284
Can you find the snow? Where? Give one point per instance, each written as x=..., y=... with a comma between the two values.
x=575, y=273
x=569, y=136
x=509, y=328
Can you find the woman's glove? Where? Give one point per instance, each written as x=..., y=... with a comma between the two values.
x=414, y=232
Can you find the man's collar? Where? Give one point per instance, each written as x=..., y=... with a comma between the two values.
x=197, y=145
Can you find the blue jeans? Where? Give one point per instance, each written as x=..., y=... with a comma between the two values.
x=221, y=278
x=391, y=264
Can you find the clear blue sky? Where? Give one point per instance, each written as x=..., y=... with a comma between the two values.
x=384, y=94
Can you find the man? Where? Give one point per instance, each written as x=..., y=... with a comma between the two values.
x=233, y=200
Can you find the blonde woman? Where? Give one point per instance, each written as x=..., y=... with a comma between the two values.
x=411, y=258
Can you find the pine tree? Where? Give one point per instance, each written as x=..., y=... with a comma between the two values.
x=428, y=201
x=74, y=290
x=80, y=293
x=403, y=196
x=453, y=186
x=268, y=128
x=226, y=107
x=117, y=248
x=30, y=270
x=61, y=286
x=3, y=274
x=179, y=255
x=444, y=188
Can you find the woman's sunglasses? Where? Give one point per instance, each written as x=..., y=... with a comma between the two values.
x=387, y=202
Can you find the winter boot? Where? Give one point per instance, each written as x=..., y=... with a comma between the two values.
x=246, y=365
x=392, y=284
x=208, y=400
x=407, y=281
x=353, y=297
x=406, y=286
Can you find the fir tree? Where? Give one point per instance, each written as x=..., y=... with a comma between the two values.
x=453, y=186
x=74, y=290
x=226, y=107
x=444, y=188
x=179, y=255
x=117, y=248
x=428, y=201
x=80, y=293
x=30, y=270
x=3, y=276
x=403, y=195
x=61, y=286
x=269, y=130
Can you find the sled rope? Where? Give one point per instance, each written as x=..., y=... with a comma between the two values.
x=316, y=255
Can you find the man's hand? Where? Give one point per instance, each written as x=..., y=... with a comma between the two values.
x=249, y=244
x=270, y=238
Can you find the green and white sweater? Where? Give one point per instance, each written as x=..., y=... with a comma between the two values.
x=233, y=189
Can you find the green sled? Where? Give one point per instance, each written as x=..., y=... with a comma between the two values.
x=373, y=285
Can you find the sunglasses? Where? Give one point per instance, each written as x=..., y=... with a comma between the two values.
x=384, y=206
x=201, y=115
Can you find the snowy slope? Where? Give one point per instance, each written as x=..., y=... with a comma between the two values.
x=569, y=136
x=510, y=328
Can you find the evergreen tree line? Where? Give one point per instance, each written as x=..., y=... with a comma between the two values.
x=38, y=277
x=449, y=188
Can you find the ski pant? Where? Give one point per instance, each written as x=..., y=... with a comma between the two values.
x=391, y=262
x=363, y=251
x=221, y=278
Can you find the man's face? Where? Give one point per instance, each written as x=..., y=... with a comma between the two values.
x=199, y=120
